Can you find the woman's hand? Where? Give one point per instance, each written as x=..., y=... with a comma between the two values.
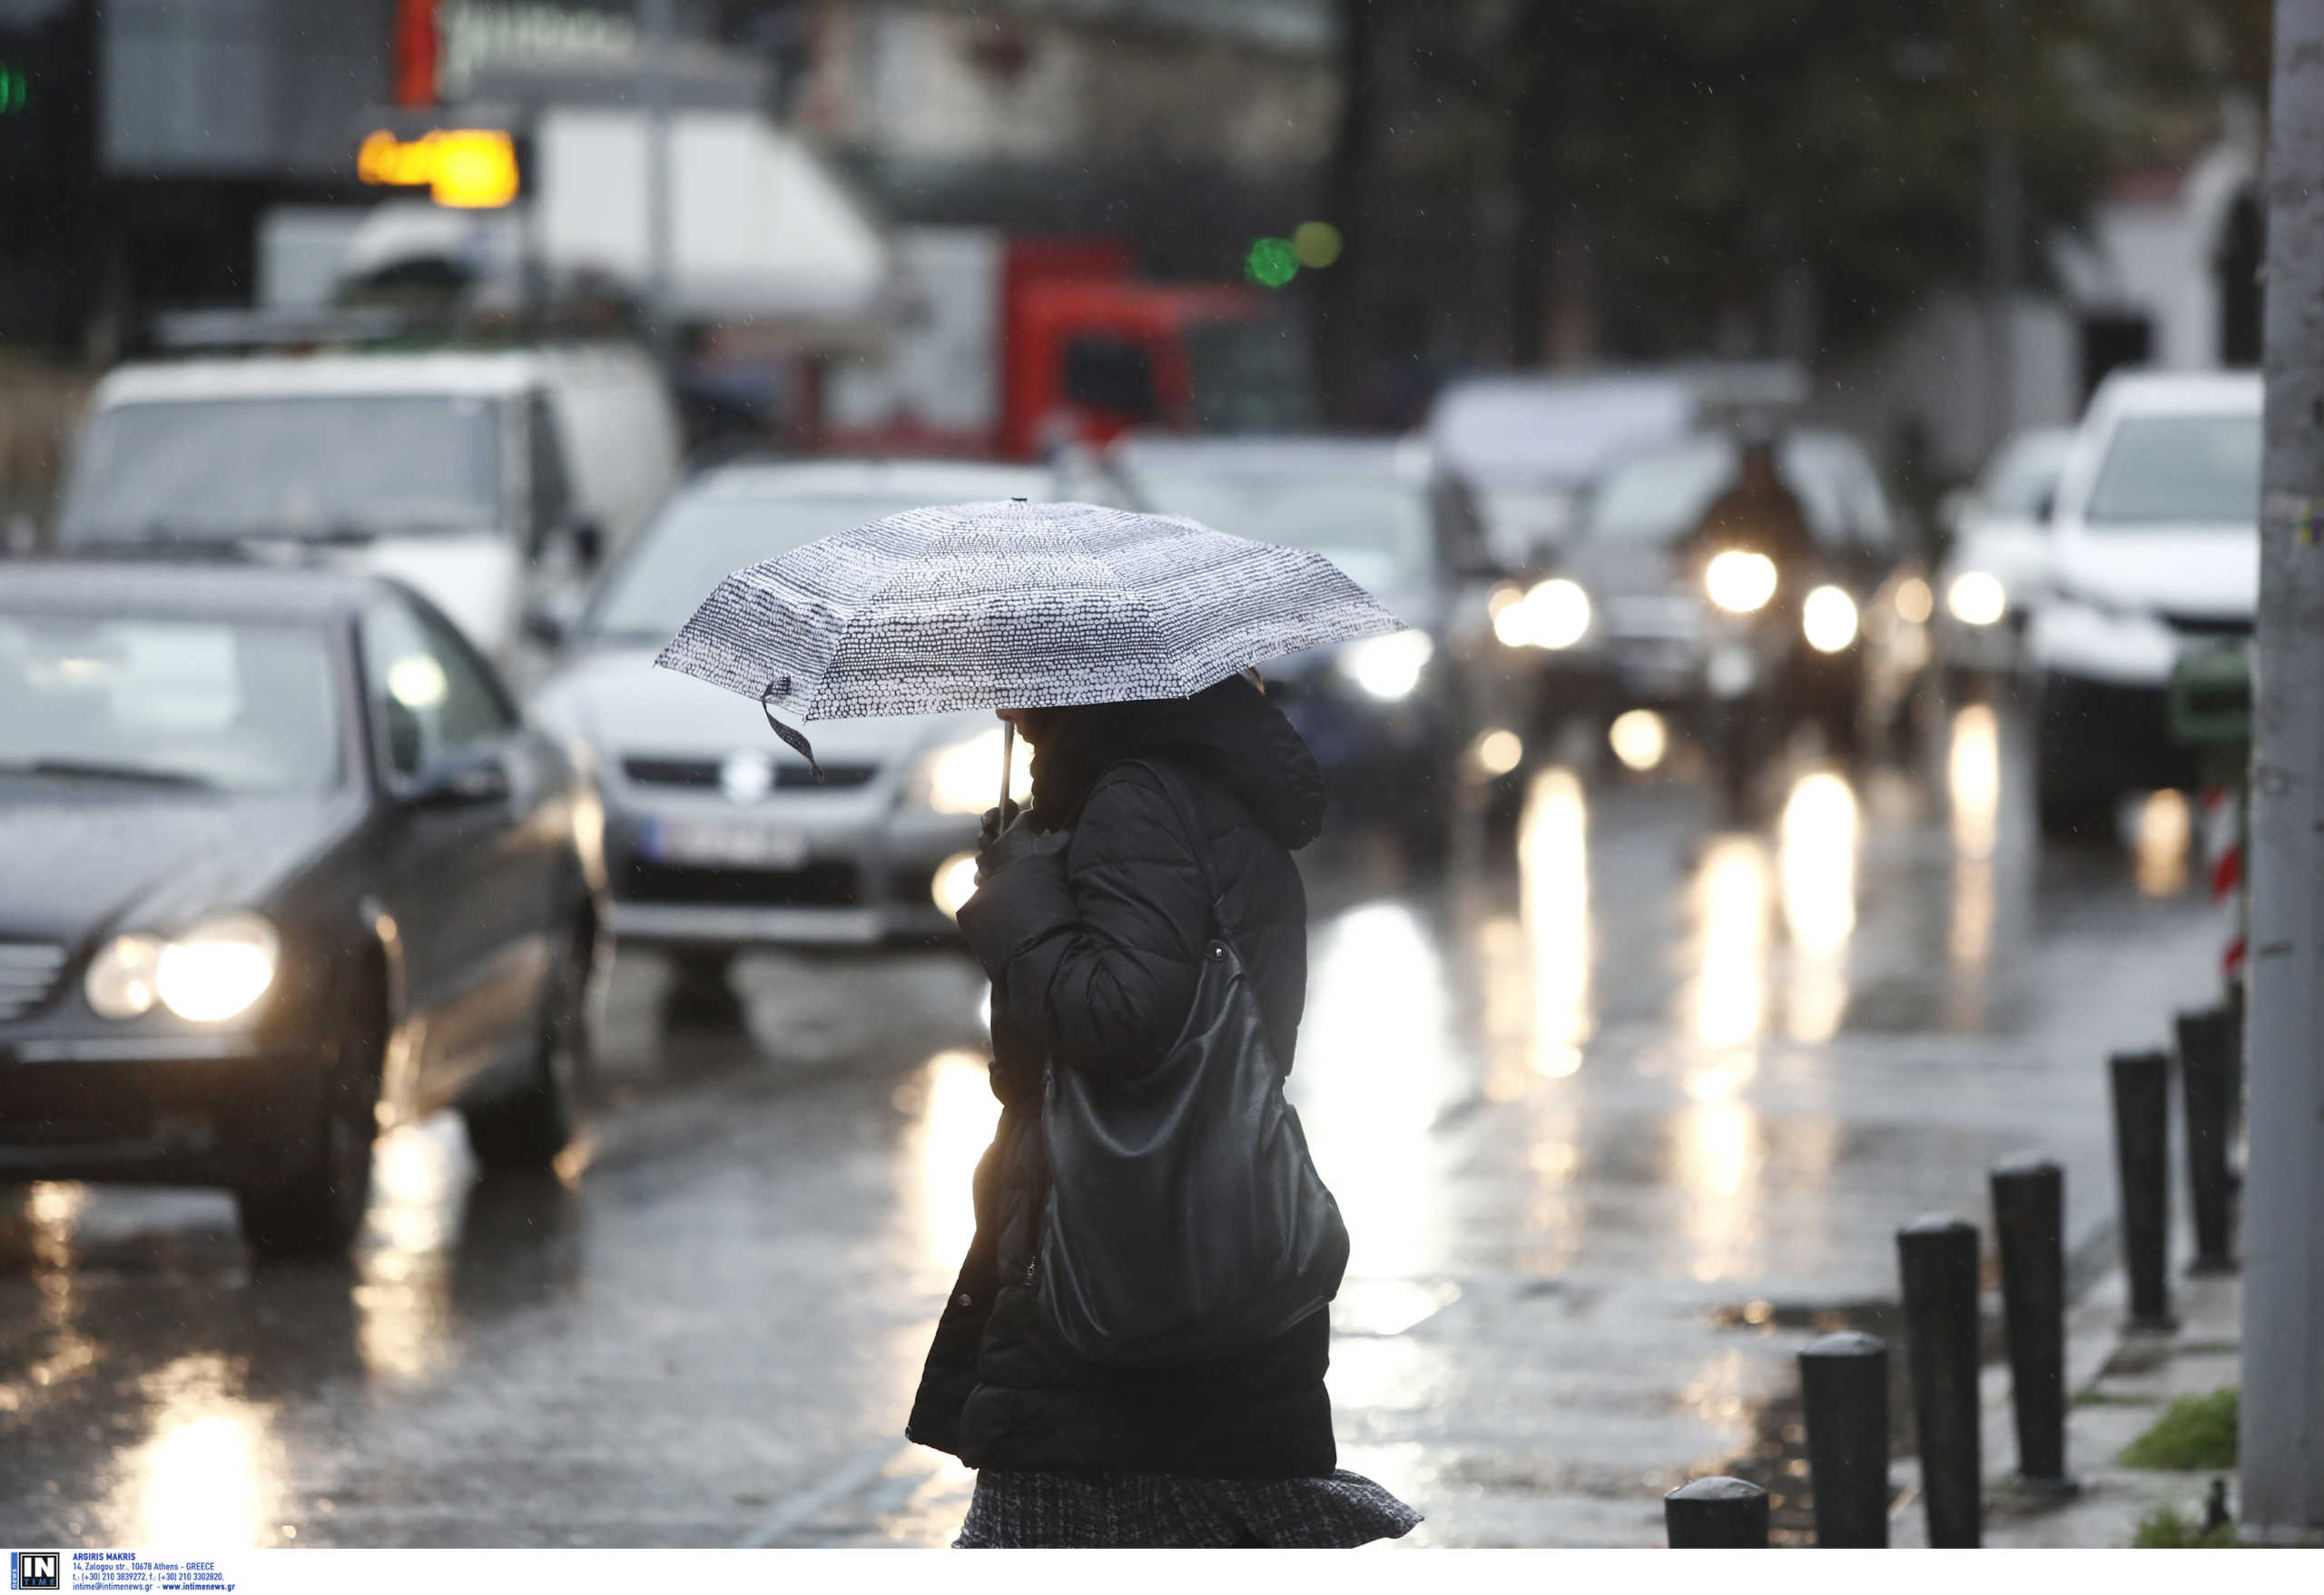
x=999, y=848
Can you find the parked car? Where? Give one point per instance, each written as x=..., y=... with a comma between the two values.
x=284, y=865
x=1626, y=624
x=2154, y=552
x=489, y=481
x=1999, y=555
x=718, y=837
x=1391, y=719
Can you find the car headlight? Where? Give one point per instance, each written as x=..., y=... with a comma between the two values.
x=957, y=778
x=1740, y=581
x=1827, y=619
x=218, y=969
x=120, y=981
x=1388, y=668
x=1976, y=597
x=1556, y=613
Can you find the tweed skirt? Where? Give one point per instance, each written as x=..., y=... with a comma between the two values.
x=1017, y=1511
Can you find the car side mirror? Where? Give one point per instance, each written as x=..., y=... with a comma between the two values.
x=2045, y=506
x=588, y=543
x=460, y=779
x=551, y=618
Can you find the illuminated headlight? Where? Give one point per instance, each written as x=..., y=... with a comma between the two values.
x=1388, y=668
x=959, y=778
x=216, y=970
x=1561, y=612
x=120, y=981
x=954, y=883
x=1976, y=597
x=1740, y=581
x=1827, y=619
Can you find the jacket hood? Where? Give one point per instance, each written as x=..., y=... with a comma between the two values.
x=1227, y=732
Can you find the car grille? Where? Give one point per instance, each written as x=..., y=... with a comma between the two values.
x=28, y=971
x=2208, y=625
x=704, y=773
x=818, y=885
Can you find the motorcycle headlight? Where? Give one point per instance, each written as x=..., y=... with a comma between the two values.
x=120, y=981
x=1740, y=581
x=1976, y=597
x=218, y=969
x=1388, y=668
x=957, y=778
x=1827, y=618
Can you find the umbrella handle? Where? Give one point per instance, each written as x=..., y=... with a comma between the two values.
x=1008, y=758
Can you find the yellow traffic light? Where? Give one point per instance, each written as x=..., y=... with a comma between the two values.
x=470, y=167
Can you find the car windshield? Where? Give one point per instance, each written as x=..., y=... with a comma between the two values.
x=702, y=539
x=315, y=465
x=2203, y=469
x=1660, y=496
x=1378, y=530
x=2024, y=476
x=235, y=705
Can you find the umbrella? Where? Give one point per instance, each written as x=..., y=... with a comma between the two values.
x=1010, y=605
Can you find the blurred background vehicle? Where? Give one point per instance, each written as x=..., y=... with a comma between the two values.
x=1530, y=445
x=717, y=838
x=285, y=866
x=1997, y=556
x=2155, y=553
x=1397, y=722
x=1636, y=636
x=487, y=480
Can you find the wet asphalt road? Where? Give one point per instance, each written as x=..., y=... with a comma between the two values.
x=1612, y=1122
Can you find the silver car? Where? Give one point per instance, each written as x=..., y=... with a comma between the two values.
x=717, y=837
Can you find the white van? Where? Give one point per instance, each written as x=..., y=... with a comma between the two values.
x=2155, y=553
x=491, y=481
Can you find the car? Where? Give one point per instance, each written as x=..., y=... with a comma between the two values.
x=718, y=837
x=1395, y=720
x=1999, y=555
x=284, y=866
x=491, y=481
x=2155, y=553
x=1623, y=627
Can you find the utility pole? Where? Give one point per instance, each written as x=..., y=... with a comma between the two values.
x=654, y=30
x=2004, y=222
x=2282, y=1438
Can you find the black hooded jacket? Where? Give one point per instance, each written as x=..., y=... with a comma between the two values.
x=1093, y=952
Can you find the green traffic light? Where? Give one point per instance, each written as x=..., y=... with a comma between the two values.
x=12, y=91
x=1272, y=262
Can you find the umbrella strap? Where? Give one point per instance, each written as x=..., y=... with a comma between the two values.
x=797, y=740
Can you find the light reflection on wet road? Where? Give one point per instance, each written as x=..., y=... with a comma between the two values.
x=1584, y=1109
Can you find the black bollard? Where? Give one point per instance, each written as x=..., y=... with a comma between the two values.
x=1844, y=1383
x=1718, y=1513
x=2141, y=1148
x=1939, y=1259
x=2206, y=1080
x=2029, y=1227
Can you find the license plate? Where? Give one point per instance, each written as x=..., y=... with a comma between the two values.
x=751, y=843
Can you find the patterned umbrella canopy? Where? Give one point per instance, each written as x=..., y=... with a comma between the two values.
x=1011, y=604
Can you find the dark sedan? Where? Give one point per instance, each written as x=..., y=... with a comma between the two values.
x=283, y=865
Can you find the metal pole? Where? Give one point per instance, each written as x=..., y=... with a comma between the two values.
x=1718, y=1513
x=2206, y=1040
x=1008, y=756
x=2141, y=1083
x=2029, y=1227
x=1937, y=1257
x=1844, y=1384
x=655, y=27
x=2282, y=1434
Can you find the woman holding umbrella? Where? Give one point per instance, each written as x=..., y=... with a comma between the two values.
x=1133, y=1351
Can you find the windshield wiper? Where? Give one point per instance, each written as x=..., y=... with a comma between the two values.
x=95, y=770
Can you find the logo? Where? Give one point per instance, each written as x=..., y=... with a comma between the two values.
x=33, y=1570
x=745, y=776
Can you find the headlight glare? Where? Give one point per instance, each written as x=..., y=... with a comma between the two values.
x=1976, y=597
x=1740, y=581
x=218, y=969
x=959, y=778
x=1388, y=668
x=1828, y=620
x=1561, y=612
x=120, y=981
